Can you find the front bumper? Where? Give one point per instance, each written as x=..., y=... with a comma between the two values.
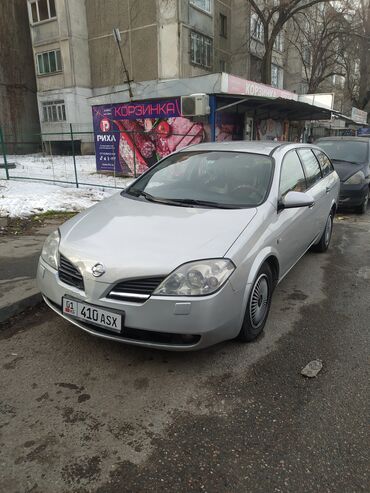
x=178, y=324
x=352, y=195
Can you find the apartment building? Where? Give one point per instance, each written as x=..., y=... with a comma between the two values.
x=256, y=49
x=18, y=104
x=76, y=55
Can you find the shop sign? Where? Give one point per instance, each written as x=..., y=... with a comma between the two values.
x=132, y=137
x=359, y=116
x=236, y=85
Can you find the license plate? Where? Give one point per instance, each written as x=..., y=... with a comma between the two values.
x=92, y=314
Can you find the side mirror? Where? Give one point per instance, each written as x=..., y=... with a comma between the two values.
x=296, y=199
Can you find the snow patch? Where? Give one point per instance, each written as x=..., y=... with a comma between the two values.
x=20, y=199
x=24, y=198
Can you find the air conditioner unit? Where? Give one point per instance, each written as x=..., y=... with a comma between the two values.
x=195, y=105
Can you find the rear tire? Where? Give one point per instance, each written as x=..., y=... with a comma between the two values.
x=362, y=209
x=258, y=305
x=324, y=242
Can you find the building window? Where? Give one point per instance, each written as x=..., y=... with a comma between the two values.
x=279, y=42
x=54, y=111
x=277, y=76
x=223, y=66
x=200, y=50
x=42, y=10
x=303, y=88
x=306, y=55
x=49, y=62
x=203, y=5
x=257, y=28
x=223, y=25
x=338, y=80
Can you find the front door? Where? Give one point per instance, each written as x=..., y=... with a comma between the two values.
x=294, y=227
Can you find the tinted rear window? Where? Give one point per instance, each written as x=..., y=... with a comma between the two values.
x=326, y=166
x=311, y=166
x=346, y=150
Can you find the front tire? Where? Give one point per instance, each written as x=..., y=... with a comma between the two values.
x=362, y=209
x=324, y=242
x=258, y=305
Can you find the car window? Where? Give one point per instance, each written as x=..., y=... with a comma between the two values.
x=353, y=151
x=311, y=166
x=292, y=178
x=239, y=179
x=325, y=163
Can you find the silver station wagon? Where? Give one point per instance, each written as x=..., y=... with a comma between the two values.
x=190, y=253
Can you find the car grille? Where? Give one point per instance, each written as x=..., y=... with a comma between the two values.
x=69, y=274
x=136, y=290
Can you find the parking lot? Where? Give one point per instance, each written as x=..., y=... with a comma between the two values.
x=86, y=415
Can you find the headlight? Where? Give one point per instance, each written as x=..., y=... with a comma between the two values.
x=196, y=278
x=50, y=249
x=356, y=179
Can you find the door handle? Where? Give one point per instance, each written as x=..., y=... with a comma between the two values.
x=328, y=189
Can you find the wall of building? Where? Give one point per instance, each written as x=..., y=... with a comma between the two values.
x=294, y=73
x=168, y=40
x=18, y=103
x=193, y=19
x=240, y=34
x=222, y=44
x=67, y=33
x=137, y=23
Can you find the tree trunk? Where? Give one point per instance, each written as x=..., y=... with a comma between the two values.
x=266, y=65
x=364, y=95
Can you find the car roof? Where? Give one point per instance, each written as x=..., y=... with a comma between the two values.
x=266, y=147
x=345, y=138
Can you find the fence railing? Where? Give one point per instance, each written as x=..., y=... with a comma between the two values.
x=79, y=158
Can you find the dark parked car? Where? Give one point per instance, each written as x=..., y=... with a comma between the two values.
x=351, y=159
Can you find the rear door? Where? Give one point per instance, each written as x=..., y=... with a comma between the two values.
x=315, y=187
x=330, y=180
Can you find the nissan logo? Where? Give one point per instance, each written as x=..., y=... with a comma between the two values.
x=98, y=270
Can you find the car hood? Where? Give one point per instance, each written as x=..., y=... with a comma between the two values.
x=133, y=237
x=345, y=170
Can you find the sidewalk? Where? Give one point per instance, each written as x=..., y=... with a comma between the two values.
x=18, y=263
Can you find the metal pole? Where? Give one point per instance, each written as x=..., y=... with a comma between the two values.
x=134, y=151
x=117, y=37
x=212, y=117
x=74, y=156
x=4, y=153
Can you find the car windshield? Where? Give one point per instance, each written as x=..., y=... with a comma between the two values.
x=345, y=150
x=208, y=179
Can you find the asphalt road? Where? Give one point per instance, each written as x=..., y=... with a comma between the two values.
x=79, y=414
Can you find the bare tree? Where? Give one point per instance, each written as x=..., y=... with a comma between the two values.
x=273, y=15
x=357, y=54
x=317, y=36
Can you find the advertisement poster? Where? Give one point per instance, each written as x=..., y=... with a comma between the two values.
x=131, y=137
x=276, y=130
x=363, y=132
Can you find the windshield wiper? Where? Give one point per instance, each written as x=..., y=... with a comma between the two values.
x=151, y=198
x=146, y=195
x=205, y=203
x=344, y=161
x=181, y=202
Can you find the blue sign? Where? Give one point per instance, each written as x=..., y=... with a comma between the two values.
x=363, y=132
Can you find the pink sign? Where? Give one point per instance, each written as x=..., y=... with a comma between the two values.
x=237, y=85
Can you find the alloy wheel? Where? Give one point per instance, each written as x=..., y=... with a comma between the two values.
x=258, y=305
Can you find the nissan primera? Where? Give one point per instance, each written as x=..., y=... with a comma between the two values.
x=190, y=253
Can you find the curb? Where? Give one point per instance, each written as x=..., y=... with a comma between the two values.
x=19, y=306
